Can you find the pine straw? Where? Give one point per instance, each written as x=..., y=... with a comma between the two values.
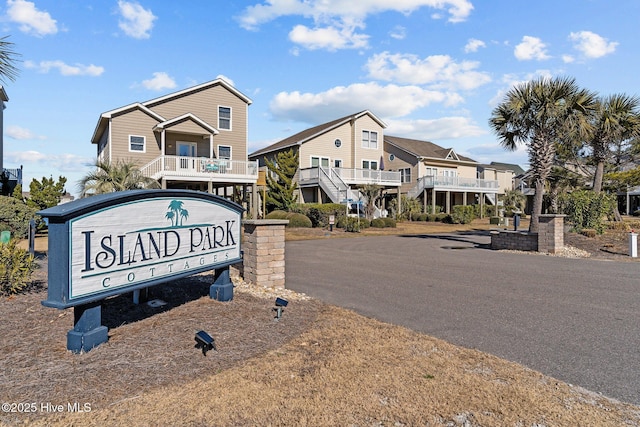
x=318, y=365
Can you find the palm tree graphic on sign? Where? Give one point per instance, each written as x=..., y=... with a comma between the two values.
x=176, y=213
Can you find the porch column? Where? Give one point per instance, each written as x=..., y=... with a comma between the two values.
x=210, y=187
x=163, y=183
x=162, y=145
x=433, y=201
x=481, y=205
x=318, y=195
x=424, y=200
x=464, y=198
x=210, y=146
x=448, y=202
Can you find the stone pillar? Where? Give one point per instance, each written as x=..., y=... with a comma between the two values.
x=550, y=233
x=263, y=257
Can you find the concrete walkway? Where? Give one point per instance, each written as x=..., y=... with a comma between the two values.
x=577, y=320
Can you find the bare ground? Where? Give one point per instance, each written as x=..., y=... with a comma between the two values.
x=318, y=365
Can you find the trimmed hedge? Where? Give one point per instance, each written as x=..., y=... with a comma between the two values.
x=296, y=220
x=319, y=213
x=463, y=214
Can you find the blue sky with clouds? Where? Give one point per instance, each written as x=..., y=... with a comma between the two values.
x=431, y=69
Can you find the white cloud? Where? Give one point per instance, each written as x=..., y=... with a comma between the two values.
x=473, y=45
x=329, y=38
x=323, y=10
x=399, y=32
x=159, y=81
x=384, y=101
x=435, y=129
x=31, y=20
x=20, y=133
x=136, y=21
x=531, y=48
x=592, y=45
x=437, y=70
x=65, y=69
x=336, y=21
x=63, y=162
x=568, y=59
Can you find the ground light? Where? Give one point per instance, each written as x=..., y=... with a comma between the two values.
x=281, y=303
x=205, y=342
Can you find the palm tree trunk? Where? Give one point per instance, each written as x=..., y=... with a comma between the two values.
x=598, y=177
x=537, y=206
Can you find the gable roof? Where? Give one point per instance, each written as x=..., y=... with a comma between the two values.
x=425, y=149
x=308, y=134
x=188, y=116
x=147, y=105
x=206, y=85
x=517, y=170
x=106, y=116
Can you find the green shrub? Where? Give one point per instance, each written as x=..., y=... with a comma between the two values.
x=277, y=214
x=463, y=214
x=378, y=223
x=423, y=217
x=15, y=216
x=16, y=267
x=389, y=222
x=415, y=216
x=354, y=225
x=429, y=209
x=442, y=217
x=589, y=232
x=298, y=220
x=636, y=213
x=319, y=213
x=586, y=209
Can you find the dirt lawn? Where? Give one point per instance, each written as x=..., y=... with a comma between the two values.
x=318, y=365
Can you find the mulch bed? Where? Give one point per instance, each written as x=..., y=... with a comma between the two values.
x=148, y=347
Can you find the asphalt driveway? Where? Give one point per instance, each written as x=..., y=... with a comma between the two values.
x=577, y=320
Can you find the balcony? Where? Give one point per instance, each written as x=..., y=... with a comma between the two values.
x=310, y=176
x=201, y=169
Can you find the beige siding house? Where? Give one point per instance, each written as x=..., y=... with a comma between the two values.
x=442, y=178
x=192, y=139
x=336, y=157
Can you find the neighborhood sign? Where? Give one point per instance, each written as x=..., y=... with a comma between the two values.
x=111, y=244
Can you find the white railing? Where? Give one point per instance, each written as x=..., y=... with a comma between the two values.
x=452, y=183
x=199, y=167
x=368, y=176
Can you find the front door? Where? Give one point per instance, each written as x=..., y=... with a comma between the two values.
x=188, y=152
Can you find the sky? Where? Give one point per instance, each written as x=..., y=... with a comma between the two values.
x=430, y=69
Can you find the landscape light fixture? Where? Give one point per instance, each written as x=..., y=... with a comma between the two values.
x=205, y=342
x=281, y=303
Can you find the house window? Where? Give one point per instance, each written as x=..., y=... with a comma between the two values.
x=137, y=143
x=392, y=157
x=319, y=161
x=337, y=143
x=431, y=171
x=337, y=163
x=224, y=152
x=370, y=164
x=369, y=139
x=224, y=118
x=405, y=175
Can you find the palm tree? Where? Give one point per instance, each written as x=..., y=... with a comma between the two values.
x=542, y=113
x=110, y=177
x=8, y=58
x=617, y=119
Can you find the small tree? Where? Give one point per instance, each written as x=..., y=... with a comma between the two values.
x=513, y=200
x=587, y=209
x=371, y=193
x=282, y=190
x=118, y=176
x=46, y=194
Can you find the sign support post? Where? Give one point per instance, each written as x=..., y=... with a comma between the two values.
x=88, y=330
